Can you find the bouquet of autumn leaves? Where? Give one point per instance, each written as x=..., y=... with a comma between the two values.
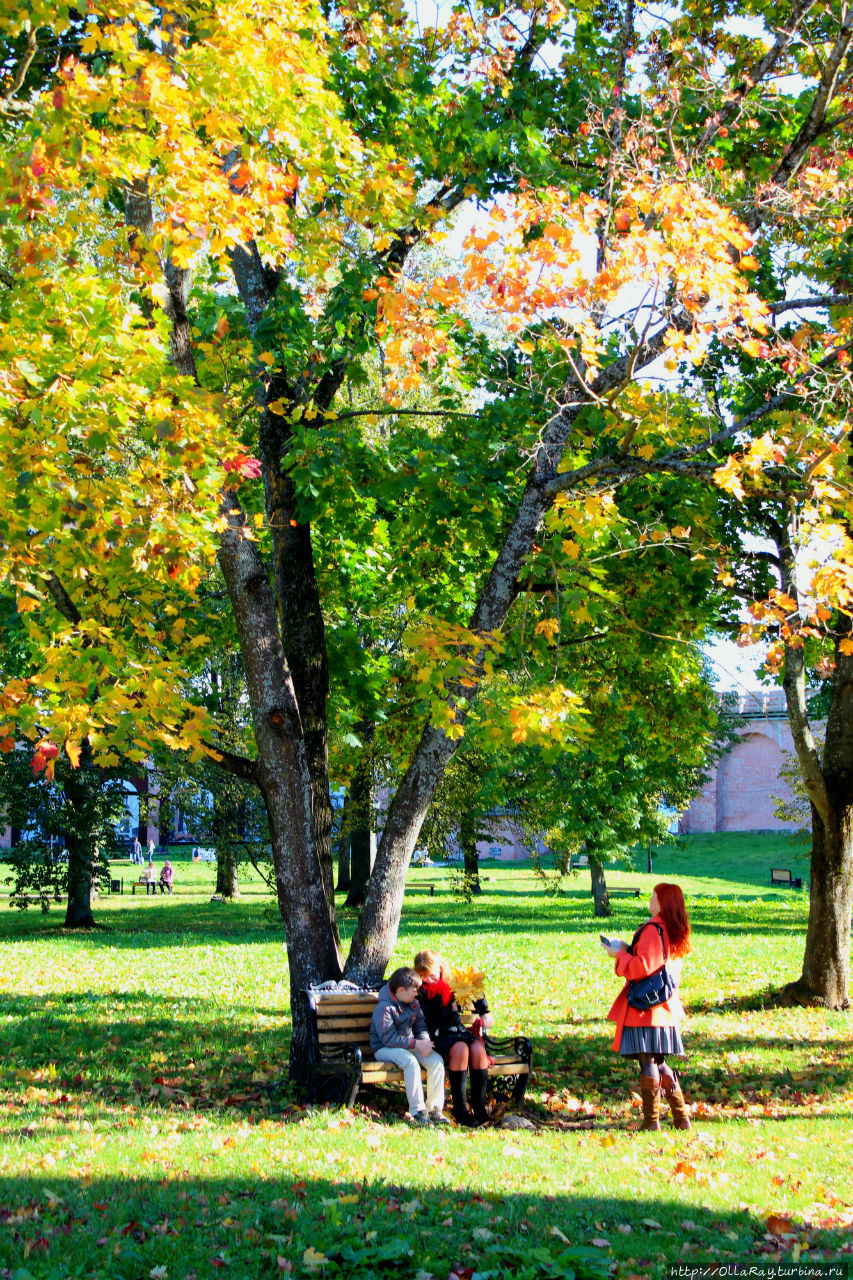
x=468, y=986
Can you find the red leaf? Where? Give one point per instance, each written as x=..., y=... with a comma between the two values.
x=244, y=465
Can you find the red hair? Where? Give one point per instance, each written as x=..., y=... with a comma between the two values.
x=673, y=912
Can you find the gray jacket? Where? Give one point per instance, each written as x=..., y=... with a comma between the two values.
x=395, y=1025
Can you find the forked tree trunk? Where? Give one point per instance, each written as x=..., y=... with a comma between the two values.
x=598, y=888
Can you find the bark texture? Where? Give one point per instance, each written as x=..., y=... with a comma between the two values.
x=282, y=767
x=362, y=838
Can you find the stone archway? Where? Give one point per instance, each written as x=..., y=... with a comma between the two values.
x=747, y=779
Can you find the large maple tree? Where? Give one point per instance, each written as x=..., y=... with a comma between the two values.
x=211, y=218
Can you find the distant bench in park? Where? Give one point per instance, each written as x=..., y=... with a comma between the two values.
x=580, y=861
x=782, y=875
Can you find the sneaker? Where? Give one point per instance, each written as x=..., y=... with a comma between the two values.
x=438, y=1117
x=421, y=1119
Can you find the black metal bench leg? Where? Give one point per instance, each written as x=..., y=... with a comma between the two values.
x=353, y=1082
x=520, y=1089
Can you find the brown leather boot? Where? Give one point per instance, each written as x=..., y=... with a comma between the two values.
x=672, y=1089
x=650, y=1093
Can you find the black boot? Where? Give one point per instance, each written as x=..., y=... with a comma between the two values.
x=479, y=1080
x=461, y=1114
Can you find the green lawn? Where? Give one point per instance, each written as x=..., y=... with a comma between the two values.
x=141, y=1140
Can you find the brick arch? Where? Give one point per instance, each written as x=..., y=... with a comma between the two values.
x=747, y=779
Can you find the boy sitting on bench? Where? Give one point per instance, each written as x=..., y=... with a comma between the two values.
x=398, y=1034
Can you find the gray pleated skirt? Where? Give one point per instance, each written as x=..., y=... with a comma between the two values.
x=637, y=1040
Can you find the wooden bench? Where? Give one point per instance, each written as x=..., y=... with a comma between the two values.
x=340, y=1059
x=632, y=892
x=579, y=862
x=782, y=875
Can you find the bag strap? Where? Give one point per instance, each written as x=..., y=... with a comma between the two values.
x=654, y=925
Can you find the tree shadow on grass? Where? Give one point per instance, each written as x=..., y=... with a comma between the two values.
x=55, y=1229
x=147, y=1052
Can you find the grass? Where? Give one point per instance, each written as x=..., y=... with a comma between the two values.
x=141, y=1139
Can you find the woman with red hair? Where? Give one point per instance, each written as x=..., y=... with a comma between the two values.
x=652, y=1034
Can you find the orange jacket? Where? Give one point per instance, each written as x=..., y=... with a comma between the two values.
x=648, y=956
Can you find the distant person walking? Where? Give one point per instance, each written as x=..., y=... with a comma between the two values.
x=151, y=848
x=136, y=851
x=647, y=1024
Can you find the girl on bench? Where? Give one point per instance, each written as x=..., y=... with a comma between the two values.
x=461, y=1047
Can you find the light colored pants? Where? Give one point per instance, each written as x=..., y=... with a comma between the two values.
x=410, y=1064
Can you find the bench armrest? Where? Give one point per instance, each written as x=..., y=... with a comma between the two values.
x=521, y=1046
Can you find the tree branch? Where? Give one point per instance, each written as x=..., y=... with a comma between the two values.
x=761, y=70
x=240, y=766
x=818, y=300
x=794, y=684
x=63, y=601
x=812, y=125
x=7, y=106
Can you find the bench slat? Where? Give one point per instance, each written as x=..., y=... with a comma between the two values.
x=359, y=1036
x=386, y=1073
x=343, y=1024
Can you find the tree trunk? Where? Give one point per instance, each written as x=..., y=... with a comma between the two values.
x=282, y=769
x=598, y=887
x=825, y=979
x=227, y=881
x=80, y=842
x=468, y=833
x=362, y=838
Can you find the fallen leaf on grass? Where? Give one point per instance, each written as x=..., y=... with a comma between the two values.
x=557, y=1233
x=313, y=1258
x=652, y=1224
x=482, y=1233
x=283, y=1264
x=600, y=1243
x=779, y=1226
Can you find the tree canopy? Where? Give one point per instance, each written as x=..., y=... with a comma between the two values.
x=211, y=220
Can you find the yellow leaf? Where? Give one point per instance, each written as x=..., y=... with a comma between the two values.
x=313, y=1258
x=547, y=627
x=267, y=358
x=72, y=750
x=846, y=646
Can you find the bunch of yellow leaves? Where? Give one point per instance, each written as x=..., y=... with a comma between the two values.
x=468, y=986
